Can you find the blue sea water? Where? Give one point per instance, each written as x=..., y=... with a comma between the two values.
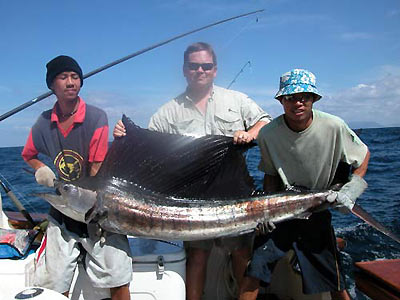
x=382, y=198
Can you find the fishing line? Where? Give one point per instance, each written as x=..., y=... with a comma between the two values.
x=238, y=34
x=238, y=74
x=21, y=197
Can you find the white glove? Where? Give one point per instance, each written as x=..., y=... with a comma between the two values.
x=349, y=192
x=45, y=176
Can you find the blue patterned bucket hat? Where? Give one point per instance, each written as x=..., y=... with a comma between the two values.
x=297, y=81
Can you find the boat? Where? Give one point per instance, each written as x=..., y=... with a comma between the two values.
x=158, y=269
x=379, y=279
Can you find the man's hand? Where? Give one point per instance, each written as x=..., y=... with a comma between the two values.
x=119, y=129
x=265, y=228
x=242, y=137
x=45, y=176
x=349, y=192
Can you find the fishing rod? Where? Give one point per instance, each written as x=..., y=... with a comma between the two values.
x=17, y=203
x=118, y=61
x=240, y=72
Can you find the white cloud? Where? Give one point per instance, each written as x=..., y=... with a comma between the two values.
x=376, y=101
x=393, y=13
x=351, y=36
x=389, y=70
x=4, y=89
x=24, y=129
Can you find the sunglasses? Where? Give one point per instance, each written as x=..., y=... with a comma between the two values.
x=302, y=98
x=195, y=66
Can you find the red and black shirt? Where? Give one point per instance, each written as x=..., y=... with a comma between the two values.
x=72, y=150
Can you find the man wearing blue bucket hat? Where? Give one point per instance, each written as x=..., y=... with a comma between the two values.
x=304, y=147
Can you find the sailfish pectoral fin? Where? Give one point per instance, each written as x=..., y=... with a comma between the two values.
x=366, y=217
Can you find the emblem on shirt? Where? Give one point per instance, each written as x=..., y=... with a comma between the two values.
x=69, y=165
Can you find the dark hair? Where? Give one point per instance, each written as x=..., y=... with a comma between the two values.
x=199, y=46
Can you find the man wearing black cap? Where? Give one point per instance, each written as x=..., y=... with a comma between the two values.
x=74, y=135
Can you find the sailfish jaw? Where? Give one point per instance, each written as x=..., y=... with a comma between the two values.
x=73, y=207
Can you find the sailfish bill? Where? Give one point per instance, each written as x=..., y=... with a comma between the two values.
x=367, y=218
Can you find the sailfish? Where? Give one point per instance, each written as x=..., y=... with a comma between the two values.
x=173, y=187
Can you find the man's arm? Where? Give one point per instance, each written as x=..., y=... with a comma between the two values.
x=362, y=169
x=43, y=174
x=94, y=168
x=353, y=189
x=35, y=163
x=98, y=146
x=253, y=131
x=244, y=137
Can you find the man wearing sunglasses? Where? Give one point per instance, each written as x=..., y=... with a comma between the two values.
x=206, y=109
x=304, y=147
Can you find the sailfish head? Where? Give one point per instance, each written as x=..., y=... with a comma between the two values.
x=71, y=200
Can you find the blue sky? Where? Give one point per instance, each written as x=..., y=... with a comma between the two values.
x=353, y=47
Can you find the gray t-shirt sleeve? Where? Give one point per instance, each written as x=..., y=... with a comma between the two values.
x=266, y=165
x=354, y=150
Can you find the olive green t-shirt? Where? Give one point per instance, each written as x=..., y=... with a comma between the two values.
x=309, y=158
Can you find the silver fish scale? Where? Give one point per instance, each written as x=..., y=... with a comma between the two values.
x=146, y=214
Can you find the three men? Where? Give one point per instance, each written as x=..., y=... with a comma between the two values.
x=74, y=135
x=303, y=147
x=203, y=109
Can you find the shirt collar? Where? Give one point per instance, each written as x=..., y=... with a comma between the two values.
x=186, y=96
x=79, y=115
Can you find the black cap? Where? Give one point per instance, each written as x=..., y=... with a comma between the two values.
x=61, y=64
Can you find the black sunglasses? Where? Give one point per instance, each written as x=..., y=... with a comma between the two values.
x=302, y=98
x=195, y=66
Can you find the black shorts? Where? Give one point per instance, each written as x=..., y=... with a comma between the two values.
x=314, y=243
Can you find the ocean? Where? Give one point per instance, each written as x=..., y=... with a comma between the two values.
x=381, y=199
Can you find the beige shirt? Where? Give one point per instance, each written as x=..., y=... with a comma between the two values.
x=309, y=158
x=227, y=111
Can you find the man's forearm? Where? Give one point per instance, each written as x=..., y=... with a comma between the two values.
x=94, y=168
x=35, y=163
x=253, y=131
x=362, y=169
